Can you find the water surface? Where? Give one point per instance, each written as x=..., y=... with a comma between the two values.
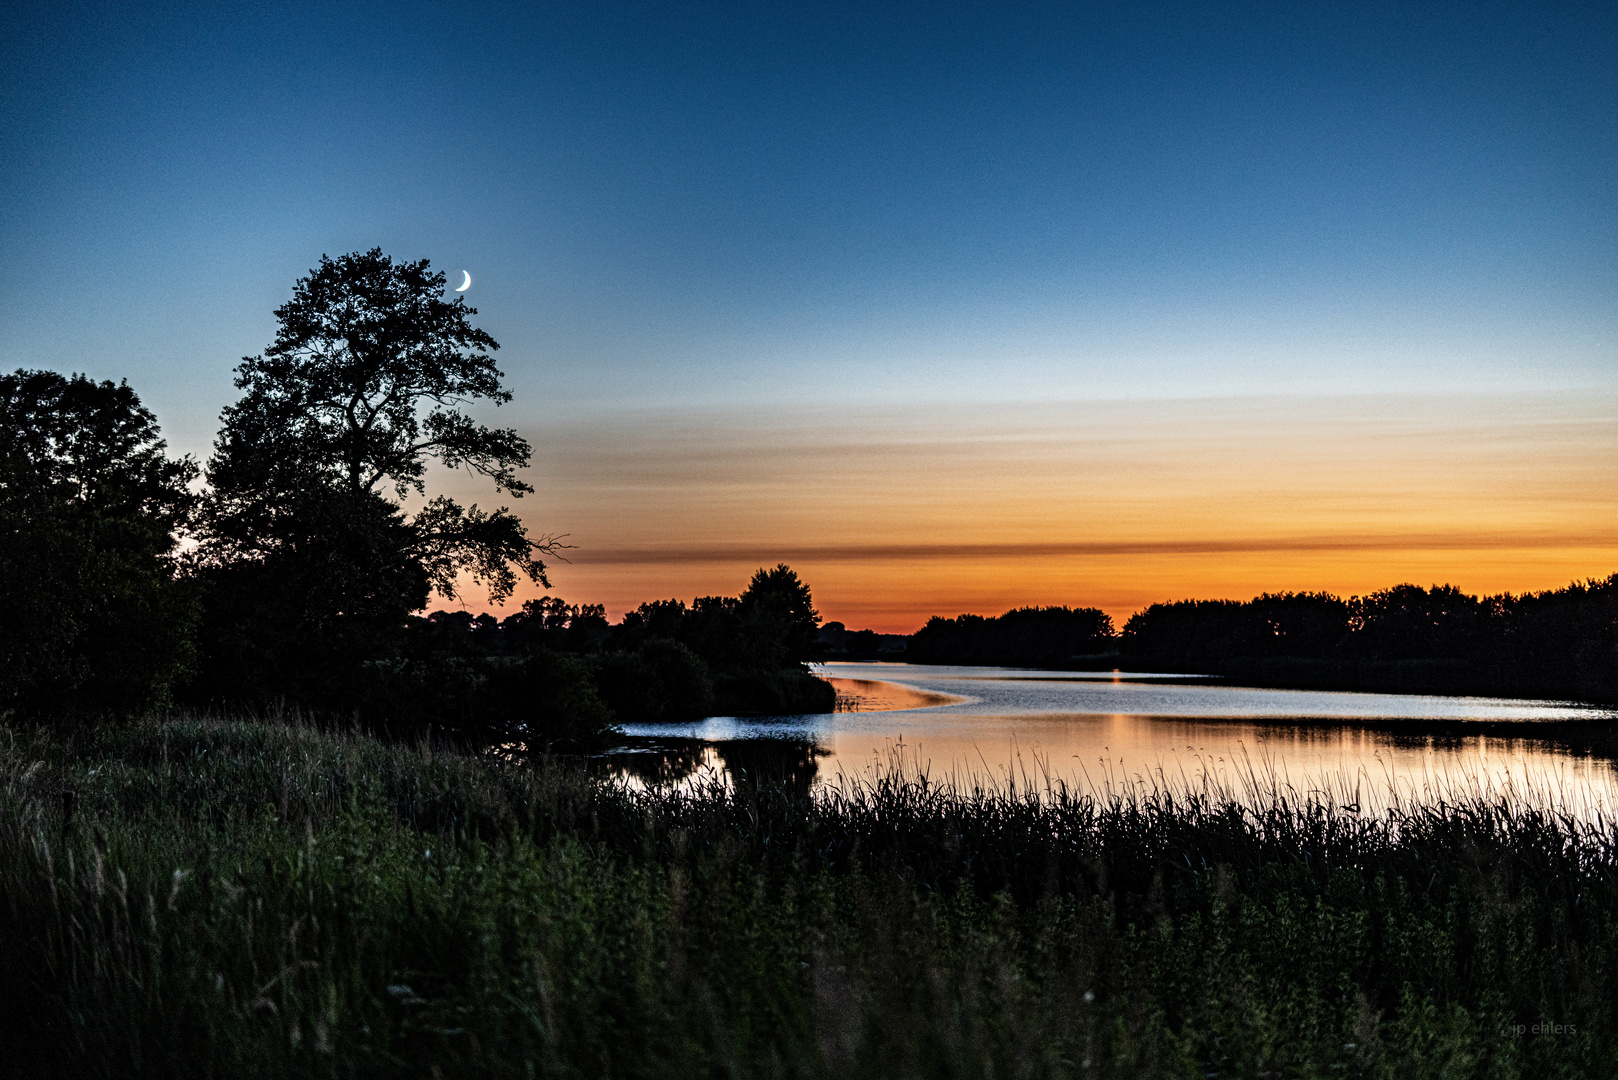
x=1011, y=726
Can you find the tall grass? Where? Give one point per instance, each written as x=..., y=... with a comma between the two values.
x=191, y=897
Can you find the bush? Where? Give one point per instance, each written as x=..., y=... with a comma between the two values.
x=774, y=693
x=659, y=680
x=538, y=703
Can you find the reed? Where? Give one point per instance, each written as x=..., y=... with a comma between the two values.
x=255, y=897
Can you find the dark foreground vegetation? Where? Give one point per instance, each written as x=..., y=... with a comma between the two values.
x=195, y=899
x=1561, y=643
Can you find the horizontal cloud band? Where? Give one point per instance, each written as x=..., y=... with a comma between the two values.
x=764, y=552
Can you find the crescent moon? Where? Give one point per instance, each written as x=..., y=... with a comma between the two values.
x=466, y=282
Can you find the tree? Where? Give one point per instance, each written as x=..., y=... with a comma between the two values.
x=90, y=512
x=1408, y=622
x=363, y=388
x=779, y=620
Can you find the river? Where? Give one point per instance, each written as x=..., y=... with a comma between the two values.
x=1012, y=727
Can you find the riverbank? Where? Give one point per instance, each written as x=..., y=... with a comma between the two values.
x=199, y=898
x=1559, y=644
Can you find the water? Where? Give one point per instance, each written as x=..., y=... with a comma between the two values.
x=1086, y=730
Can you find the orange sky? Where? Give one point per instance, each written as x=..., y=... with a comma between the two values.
x=894, y=515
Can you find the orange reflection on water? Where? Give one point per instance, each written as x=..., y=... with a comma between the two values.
x=1352, y=766
x=877, y=695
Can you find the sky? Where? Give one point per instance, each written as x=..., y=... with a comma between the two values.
x=954, y=307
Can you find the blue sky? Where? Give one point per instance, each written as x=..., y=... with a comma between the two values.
x=665, y=203
x=675, y=210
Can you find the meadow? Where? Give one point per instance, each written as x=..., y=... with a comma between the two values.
x=187, y=896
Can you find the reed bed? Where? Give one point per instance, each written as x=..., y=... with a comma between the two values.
x=201, y=897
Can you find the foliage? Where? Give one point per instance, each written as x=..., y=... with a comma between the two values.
x=778, y=619
x=1055, y=637
x=772, y=626
x=364, y=386
x=1408, y=622
x=257, y=900
x=537, y=702
x=1200, y=632
x=1558, y=643
x=362, y=345
x=660, y=680
x=664, y=661
x=90, y=509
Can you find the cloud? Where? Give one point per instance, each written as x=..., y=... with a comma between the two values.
x=769, y=553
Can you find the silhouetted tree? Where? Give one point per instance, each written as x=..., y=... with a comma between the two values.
x=90, y=511
x=713, y=629
x=778, y=620
x=554, y=623
x=1185, y=633
x=312, y=560
x=1557, y=643
x=653, y=619
x=863, y=645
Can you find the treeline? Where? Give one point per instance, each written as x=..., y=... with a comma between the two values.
x=107, y=617
x=838, y=642
x=1560, y=643
x=1054, y=637
x=559, y=673
x=285, y=569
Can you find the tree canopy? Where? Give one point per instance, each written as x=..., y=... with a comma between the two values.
x=90, y=511
x=73, y=441
x=365, y=384
x=1034, y=636
x=304, y=528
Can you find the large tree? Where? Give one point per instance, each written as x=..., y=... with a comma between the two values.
x=91, y=508
x=365, y=385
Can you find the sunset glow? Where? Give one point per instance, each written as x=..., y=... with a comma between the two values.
x=897, y=515
x=951, y=309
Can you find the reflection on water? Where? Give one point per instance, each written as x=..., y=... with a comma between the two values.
x=1096, y=731
x=1015, y=691
x=790, y=762
x=878, y=695
x=655, y=762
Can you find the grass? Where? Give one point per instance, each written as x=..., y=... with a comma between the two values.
x=188, y=897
